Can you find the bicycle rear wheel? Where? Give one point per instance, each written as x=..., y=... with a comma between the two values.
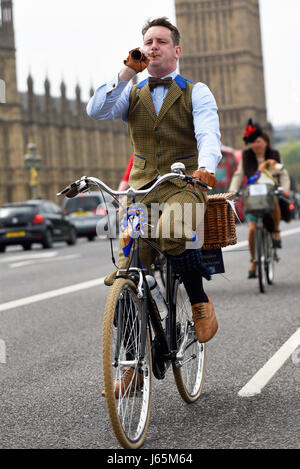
x=260, y=259
x=189, y=369
x=269, y=258
x=129, y=405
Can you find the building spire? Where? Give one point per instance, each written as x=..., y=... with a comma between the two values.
x=7, y=37
x=6, y=11
x=47, y=86
x=30, y=83
x=63, y=89
x=78, y=93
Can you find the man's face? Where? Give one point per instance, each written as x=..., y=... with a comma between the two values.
x=158, y=41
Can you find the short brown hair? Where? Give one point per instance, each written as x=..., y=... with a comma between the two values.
x=163, y=21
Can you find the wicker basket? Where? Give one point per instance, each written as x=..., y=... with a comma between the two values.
x=260, y=202
x=219, y=222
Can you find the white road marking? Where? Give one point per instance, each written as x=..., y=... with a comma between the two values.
x=290, y=232
x=42, y=255
x=40, y=261
x=51, y=294
x=263, y=376
x=245, y=243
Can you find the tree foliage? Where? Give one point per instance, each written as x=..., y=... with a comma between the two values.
x=290, y=154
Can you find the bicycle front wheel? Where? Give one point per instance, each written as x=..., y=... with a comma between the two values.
x=189, y=368
x=127, y=378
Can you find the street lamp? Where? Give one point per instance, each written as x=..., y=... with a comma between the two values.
x=32, y=163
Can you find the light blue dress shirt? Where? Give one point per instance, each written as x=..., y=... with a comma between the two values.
x=111, y=101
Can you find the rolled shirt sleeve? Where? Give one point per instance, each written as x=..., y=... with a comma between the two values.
x=237, y=178
x=110, y=101
x=207, y=127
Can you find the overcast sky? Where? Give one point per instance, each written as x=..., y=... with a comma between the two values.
x=85, y=41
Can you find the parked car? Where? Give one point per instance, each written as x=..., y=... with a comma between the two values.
x=90, y=215
x=34, y=221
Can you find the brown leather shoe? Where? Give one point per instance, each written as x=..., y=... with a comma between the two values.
x=128, y=384
x=205, y=321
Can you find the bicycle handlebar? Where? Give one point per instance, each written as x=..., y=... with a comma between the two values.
x=83, y=184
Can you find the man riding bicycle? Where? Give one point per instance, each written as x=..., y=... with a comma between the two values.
x=168, y=121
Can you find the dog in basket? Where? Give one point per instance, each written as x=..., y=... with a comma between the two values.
x=269, y=172
x=271, y=169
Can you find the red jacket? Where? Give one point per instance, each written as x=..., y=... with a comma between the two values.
x=128, y=169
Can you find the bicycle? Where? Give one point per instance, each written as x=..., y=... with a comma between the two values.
x=260, y=201
x=134, y=335
x=159, y=266
x=266, y=255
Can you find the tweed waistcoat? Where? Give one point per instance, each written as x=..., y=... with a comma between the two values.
x=163, y=139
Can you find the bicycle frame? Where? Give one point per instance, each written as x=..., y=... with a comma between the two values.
x=164, y=342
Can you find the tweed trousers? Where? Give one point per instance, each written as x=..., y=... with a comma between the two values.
x=174, y=214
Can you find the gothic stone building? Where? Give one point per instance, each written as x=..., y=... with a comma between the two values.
x=221, y=47
x=70, y=143
x=221, y=43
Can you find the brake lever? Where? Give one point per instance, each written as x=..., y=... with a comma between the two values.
x=81, y=185
x=68, y=189
x=192, y=180
x=72, y=192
